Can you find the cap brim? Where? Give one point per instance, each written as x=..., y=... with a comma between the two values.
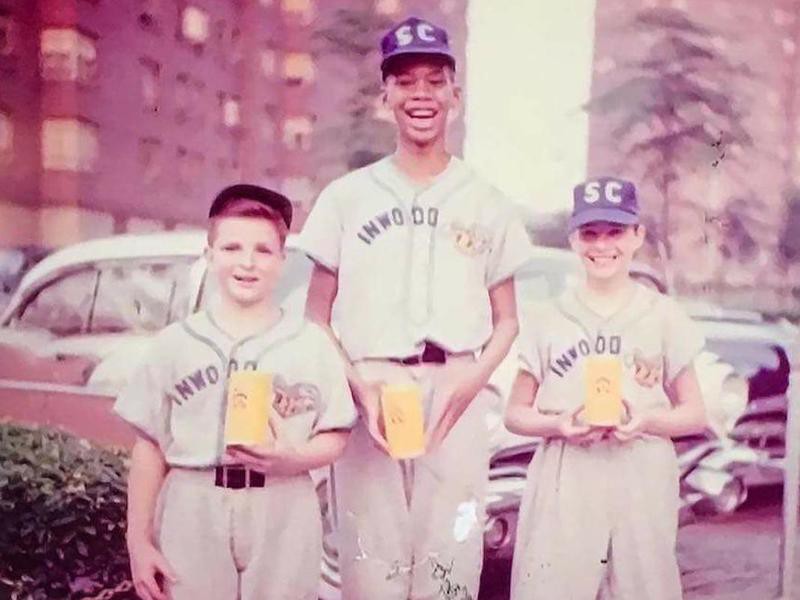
x=264, y=196
x=411, y=51
x=606, y=215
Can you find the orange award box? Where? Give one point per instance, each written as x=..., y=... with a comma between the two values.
x=402, y=419
x=247, y=416
x=603, y=404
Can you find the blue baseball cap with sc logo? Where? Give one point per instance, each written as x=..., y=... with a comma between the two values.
x=415, y=36
x=608, y=199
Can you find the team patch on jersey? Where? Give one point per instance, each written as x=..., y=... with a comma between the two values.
x=297, y=399
x=472, y=241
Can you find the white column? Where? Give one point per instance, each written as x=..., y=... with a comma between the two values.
x=791, y=480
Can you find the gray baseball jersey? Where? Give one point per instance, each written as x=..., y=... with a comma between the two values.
x=177, y=396
x=413, y=263
x=557, y=338
x=601, y=521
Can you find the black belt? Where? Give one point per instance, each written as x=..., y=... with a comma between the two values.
x=432, y=353
x=236, y=478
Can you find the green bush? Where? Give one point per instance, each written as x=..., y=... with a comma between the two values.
x=62, y=515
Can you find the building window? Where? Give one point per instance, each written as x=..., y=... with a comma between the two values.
x=151, y=83
x=235, y=52
x=8, y=35
x=267, y=61
x=298, y=68
x=150, y=158
x=194, y=25
x=69, y=145
x=230, y=109
x=68, y=55
x=198, y=89
x=387, y=7
x=6, y=138
x=297, y=132
x=301, y=8
x=149, y=13
x=182, y=94
x=182, y=166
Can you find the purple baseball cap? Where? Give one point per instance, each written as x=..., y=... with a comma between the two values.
x=415, y=36
x=608, y=199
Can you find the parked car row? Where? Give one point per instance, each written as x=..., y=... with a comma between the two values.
x=80, y=319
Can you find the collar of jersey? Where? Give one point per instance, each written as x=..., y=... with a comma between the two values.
x=640, y=303
x=390, y=176
x=288, y=325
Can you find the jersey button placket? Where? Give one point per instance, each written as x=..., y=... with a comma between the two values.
x=418, y=279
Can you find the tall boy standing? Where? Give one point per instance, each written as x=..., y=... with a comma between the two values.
x=415, y=258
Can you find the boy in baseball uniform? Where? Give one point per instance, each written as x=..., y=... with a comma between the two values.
x=599, y=515
x=415, y=260
x=206, y=522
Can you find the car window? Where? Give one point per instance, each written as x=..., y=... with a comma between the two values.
x=140, y=296
x=63, y=305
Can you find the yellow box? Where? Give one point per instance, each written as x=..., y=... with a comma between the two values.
x=249, y=404
x=403, y=420
x=603, y=403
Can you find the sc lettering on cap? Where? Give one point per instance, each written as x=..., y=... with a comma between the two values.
x=405, y=34
x=611, y=192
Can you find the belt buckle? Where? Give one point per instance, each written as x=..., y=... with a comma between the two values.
x=433, y=353
x=235, y=477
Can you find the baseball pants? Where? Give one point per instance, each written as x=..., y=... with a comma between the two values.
x=599, y=522
x=249, y=544
x=413, y=529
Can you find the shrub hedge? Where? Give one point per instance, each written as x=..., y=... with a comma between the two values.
x=62, y=515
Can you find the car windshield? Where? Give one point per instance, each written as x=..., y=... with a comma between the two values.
x=114, y=297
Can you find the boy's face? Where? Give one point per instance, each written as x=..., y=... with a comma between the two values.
x=421, y=93
x=246, y=257
x=607, y=249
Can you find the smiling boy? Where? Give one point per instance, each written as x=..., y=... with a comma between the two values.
x=599, y=515
x=217, y=523
x=415, y=258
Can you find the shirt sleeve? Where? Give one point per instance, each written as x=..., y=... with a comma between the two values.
x=338, y=411
x=321, y=236
x=143, y=402
x=683, y=340
x=511, y=248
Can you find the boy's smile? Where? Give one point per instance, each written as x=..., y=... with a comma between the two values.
x=607, y=249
